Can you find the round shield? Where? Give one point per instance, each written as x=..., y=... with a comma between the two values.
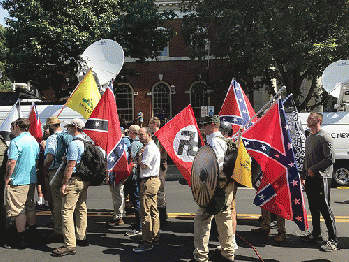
x=204, y=176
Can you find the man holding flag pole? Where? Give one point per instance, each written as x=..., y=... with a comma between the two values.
x=223, y=216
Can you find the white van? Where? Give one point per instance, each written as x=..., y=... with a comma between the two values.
x=44, y=111
x=337, y=125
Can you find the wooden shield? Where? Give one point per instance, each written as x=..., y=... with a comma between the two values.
x=204, y=176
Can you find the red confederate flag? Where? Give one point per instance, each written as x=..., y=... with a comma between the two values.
x=268, y=142
x=181, y=139
x=236, y=109
x=103, y=127
x=35, y=124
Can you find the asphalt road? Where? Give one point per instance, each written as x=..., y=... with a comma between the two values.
x=177, y=237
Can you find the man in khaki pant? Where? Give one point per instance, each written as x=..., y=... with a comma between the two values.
x=203, y=219
x=74, y=192
x=149, y=161
x=54, y=152
x=20, y=179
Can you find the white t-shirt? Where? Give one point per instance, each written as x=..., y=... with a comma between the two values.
x=151, y=158
x=219, y=146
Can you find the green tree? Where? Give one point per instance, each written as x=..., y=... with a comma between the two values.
x=5, y=84
x=45, y=38
x=289, y=40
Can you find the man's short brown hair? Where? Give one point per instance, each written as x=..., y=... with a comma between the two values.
x=23, y=124
x=318, y=116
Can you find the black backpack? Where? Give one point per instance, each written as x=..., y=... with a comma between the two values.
x=93, y=164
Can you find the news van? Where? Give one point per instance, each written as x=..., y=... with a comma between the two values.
x=336, y=124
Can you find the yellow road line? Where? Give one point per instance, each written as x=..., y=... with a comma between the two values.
x=339, y=219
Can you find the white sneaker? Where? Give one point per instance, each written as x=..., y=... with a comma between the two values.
x=236, y=247
x=329, y=246
x=133, y=233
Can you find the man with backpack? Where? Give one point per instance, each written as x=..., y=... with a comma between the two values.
x=56, y=148
x=74, y=195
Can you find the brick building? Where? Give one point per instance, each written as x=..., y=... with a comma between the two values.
x=163, y=87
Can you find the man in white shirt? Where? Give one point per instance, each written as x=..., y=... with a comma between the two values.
x=149, y=161
x=203, y=218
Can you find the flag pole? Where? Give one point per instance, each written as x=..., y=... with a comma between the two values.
x=262, y=109
x=239, y=137
x=267, y=104
x=73, y=93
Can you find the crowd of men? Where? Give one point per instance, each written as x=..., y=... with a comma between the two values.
x=66, y=192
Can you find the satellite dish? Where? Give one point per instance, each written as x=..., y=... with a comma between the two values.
x=334, y=76
x=106, y=58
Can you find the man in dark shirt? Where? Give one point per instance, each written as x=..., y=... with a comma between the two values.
x=317, y=172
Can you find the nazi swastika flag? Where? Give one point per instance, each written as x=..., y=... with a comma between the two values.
x=181, y=139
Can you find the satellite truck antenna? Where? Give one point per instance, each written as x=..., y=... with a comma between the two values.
x=335, y=80
x=106, y=58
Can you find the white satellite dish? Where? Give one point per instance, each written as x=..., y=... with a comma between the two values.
x=334, y=76
x=106, y=58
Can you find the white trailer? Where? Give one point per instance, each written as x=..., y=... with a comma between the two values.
x=44, y=112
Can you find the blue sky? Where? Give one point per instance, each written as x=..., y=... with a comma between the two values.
x=3, y=13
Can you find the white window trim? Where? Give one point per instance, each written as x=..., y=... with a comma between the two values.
x=132, y=97
x=152, y=98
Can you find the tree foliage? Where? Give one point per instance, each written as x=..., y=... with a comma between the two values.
x=45, y=38
x=5, y=84
x=289, y=40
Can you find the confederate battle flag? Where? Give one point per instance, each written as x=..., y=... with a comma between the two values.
x=236, y=110
x=268, y=142
x=35, y=124
x=103, y=127
x=181, y=139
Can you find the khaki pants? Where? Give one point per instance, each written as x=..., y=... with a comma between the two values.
x=149, y=212
x=74, y=200
x=117, y=194
x=202, y=227
x=266, y=222
x=55, y=192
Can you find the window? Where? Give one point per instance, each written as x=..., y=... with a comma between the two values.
x=162, y=103
x=199, y=97
x=199, y=40
x=124, y=101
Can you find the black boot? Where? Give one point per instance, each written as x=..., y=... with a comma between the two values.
x=162, y=217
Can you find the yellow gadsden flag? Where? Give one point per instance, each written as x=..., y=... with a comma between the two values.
x=85, y=97
x=242, y=170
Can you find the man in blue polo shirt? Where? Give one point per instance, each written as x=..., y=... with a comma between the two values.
x=74, y=195
x=20, y=179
